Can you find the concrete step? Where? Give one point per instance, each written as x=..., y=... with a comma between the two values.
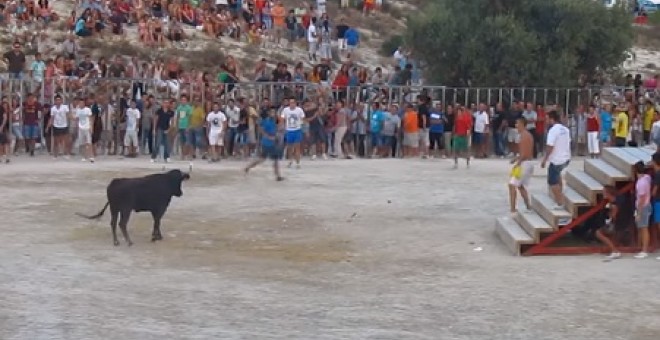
x=620, y=159
x=512, y=234
x=543, y=205
x=650, y=150
x=573, y=201
x=533, y=224
x=641, y=154
x=584, y=184
x=603, y=172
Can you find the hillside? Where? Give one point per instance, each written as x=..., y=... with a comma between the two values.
x=204, y=53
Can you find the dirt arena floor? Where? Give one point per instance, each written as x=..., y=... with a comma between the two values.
x=378, y=249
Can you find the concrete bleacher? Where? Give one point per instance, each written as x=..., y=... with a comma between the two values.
x=583, y=189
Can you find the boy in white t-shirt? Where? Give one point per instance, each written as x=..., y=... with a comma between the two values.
x=293, y=117
x=655, y=131
x=216, y=124
x=83, y=115
x=558, y=153
x=59, y=126
x=131, y=137
x=312, y=40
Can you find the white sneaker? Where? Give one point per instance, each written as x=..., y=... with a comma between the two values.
x=83, y=160
x=325, y=156
x=658, y=258
x=642, y=255
x=613, y=256
x=167, y=160
x=313, y=157
x=153, y=160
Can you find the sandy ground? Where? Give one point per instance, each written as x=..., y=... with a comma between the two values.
x=379, y=249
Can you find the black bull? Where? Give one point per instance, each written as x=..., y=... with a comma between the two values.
x=151, y=193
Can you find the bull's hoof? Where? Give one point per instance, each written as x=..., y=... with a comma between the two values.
x=116, y=243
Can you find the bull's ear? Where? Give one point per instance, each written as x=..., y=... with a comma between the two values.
x=185, y=176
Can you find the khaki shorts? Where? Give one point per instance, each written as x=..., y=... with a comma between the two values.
x=424, y=140
x=216, y=138
x=131, y=138
x=411, y=139
x=512, y=135
x=84, y=137
x=527, y=170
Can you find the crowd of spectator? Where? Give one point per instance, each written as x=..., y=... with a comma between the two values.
x=350, y=111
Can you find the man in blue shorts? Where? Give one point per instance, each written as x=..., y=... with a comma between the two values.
x=269, y=146
x=293, y=117
x=558, y=154
x=375, y=127
x=605, y=125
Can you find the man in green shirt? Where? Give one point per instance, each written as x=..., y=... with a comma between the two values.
x=183, y=114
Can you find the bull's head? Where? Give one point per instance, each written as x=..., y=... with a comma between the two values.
x=176, y=177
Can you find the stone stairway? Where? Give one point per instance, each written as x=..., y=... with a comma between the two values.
x=582, y=190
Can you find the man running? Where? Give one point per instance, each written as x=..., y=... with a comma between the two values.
x=293, y=117
x=558, y=152
x=217, y=124
x=269, y=145
x=524, y=162
x=58, y=124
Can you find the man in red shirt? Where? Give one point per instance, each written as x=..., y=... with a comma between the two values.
x=540, y=126
x=31, y=115
x=461, y=135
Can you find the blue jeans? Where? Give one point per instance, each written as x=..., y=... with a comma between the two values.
x=498, y=142
x=232, y=135
x=195, y=137
x=147, y=139
x=554, y=173
x=161, y=139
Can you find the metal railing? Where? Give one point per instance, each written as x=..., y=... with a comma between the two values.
x=111, y=90
x=70, y=87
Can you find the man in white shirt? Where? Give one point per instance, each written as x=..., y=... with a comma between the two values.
x=216, y=124
x=293, y=118
x=59, y=126
x=233, y=113
x=312, y=40
x=131, y=137
x=84, y=117
x=531, y=116
x=481, y=124
x=558, y=153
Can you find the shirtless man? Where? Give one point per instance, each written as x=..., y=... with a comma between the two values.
x=524, y=161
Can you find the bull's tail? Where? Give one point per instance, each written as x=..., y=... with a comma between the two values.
x=97, y=216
